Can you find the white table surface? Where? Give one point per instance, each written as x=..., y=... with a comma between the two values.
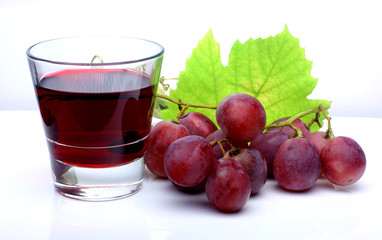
x=31, y=209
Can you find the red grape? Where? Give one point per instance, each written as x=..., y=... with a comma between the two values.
x=268, y=143
x=160, y=137
x=343, y=161
x=318, y=139
x=198, y=124
x=288, y=130
x=241, y=117
x=216, y=136
x=297, y=164
x=188, y=161
x=228, y=187
x=254, y=165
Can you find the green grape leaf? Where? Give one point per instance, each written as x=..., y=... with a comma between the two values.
x=274, y=70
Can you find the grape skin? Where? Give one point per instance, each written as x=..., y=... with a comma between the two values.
x=241, y=117
x=254, y=165
x=268, y=143
x=188, y=160
x=198, y=124
x=297, y=164
x=318, y=139
x=160, y=138
x=228, y=186
x=288, y=130
x=216, y=136
x=343, y=161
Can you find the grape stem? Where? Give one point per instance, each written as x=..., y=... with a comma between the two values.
x=329, y=132
x=180, y=114
x=317, y=110
x=181, y=103
x=219, y=142
x=165, y=85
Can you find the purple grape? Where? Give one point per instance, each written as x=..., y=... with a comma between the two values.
x=241, y=117
x=228, y=186
x=216, y=136
x=318, y=139
x=268, y=143
x=198, y=124
x=343, y=161
x=297, y=164
x=288, y=130
x=254, y=165
x=160, y=138
x=188, y=161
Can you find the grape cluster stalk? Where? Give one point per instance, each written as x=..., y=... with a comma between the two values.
x=231, y=161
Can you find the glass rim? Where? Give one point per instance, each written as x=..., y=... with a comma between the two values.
x=159, y=53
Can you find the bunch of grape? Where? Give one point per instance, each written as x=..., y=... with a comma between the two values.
x=297, y=163
x=232, y=163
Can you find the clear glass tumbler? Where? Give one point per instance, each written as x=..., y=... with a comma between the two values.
x=96, y=97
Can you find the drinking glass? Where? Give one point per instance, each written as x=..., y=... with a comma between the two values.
x=96, y=97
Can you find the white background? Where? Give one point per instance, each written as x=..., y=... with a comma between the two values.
x=342, y=38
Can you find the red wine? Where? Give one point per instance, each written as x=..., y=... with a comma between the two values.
x=96, y=117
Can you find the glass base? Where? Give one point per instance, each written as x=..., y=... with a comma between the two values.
x=98, y=184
